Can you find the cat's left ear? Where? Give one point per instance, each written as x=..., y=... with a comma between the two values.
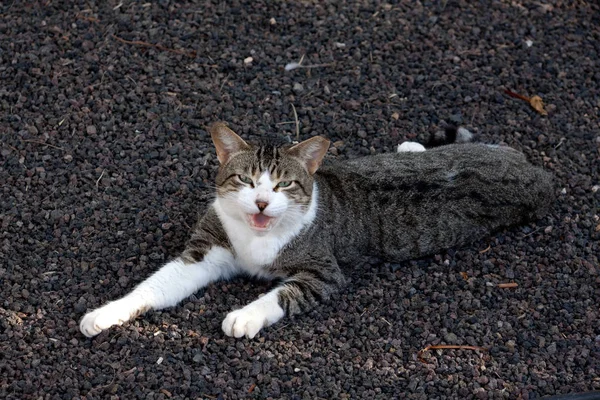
x=226, y=141
x=310, y=152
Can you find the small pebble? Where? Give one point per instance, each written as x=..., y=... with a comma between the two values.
x=298, y=88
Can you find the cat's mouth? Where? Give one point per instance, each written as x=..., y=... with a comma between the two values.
x=261, y=222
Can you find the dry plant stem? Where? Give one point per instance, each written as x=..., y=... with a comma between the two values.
x=535, y=102
x=44, y=144
x=98, y=181
x=190, y=54
x=316, y=66
x=517, y=95
x=535, y=231
x=508, y=285
x=10, y=147
x=446, y=346
x=297, y=123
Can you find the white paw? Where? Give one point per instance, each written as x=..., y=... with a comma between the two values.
x=410, y=147
x=115, y=313
x=249, y=320
x=244, y=322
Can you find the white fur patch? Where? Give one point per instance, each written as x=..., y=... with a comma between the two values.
x=113, y=313
x=255, y=250
x=165, y=288
x=410, y=147
x=463, y=135
x=248, y=321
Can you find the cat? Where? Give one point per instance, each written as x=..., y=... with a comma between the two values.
x=279, y=214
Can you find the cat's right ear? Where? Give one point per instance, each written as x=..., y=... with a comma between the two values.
x=227, y=143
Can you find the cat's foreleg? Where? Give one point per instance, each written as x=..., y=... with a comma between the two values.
x=296, y=294
x=169, y=285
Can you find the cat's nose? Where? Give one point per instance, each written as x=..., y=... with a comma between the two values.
x=261, y=205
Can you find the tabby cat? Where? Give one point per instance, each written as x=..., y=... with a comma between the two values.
x=278, y=215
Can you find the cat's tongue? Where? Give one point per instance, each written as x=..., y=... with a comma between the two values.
x=260, y=220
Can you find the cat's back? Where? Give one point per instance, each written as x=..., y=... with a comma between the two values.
x=476, y=170
x=412, y=204
x=487, y=159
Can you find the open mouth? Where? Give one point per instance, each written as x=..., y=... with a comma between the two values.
x=261, y=222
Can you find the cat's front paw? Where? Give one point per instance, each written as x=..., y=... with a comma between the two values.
x=115, y=313
x=248, y=321
x=243, y=322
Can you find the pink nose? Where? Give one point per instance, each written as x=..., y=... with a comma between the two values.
x=261, y=205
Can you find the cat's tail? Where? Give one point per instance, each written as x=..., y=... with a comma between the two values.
x=452, y=134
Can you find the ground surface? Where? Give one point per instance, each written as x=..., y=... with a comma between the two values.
x=105, y=165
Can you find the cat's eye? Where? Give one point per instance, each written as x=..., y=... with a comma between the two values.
x=284, y=184
x=245, y=179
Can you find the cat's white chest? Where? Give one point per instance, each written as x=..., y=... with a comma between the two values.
x=252, y=252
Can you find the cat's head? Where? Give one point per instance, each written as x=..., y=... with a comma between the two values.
x=265, y=186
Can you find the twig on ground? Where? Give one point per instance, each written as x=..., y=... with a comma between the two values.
x=297, y=123
x=535, y=101
x=486, y=249
x=367, y=310
x=446, y=346
x=50, y=195
x=43, y=143
x=98, y=181
x=191, y=54
x=517, y=95
x=508, y=285
x=223, y=84
x=317, y=65
x=89, y=19
x=282, y=327
x=11, y=147
x=100, y=387
x=531, y=233
x=292, y=66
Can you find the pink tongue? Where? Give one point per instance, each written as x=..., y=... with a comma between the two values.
x=260, y=220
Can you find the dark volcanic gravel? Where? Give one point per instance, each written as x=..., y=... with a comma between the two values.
x=105, y=165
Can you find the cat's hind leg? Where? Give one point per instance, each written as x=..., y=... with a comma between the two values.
x=169, y=285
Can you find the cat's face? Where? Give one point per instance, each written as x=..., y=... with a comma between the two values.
x=265, y=187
